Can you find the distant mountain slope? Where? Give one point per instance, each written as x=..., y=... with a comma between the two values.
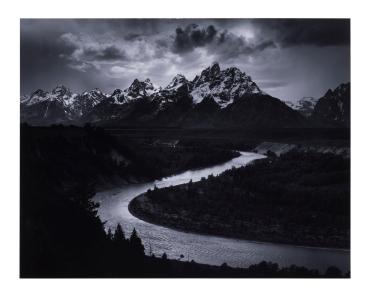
x=333, y=109
x=261, y=111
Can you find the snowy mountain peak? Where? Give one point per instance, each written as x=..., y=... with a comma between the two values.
x=24, y=98
x=224, y=86
x=117, y=91
x=139, y=89
x=36, y=97
x=178, y=81
x=215, y=69
x=208, y=74
x=63, y=95
x=96, y=91
x=39, y=92
x=61, y=90
x=95, y=95
x=118, y=96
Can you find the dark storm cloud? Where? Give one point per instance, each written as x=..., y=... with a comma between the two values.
x=193, y=36
x=317, y=32
x=108, y=53
x=223, y=43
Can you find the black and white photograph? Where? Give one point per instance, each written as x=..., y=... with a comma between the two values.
x=185, y=148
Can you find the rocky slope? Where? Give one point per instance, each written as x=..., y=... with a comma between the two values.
x=333, y=109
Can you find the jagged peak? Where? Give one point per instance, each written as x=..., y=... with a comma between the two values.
x=236, y=71
x=93, y=92
x=61, y=90
x=338, y=90
x=178, y=81
x=39, y=92
x=328, y=93
x=215, y=68
x=179, y=77
x=137, y=83
x=342, y=86
x=117, y=91
x=223, y=85
x=140, y=89
x=211, y=71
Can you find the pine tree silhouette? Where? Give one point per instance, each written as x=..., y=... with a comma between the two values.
x=136, y=243
x=119, y=235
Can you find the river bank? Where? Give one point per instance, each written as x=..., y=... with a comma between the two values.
x=298, y=199
x=141, y=208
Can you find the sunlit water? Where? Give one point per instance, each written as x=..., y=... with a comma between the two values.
x=207, y=248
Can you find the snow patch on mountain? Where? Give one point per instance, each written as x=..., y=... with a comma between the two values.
x=304, y=106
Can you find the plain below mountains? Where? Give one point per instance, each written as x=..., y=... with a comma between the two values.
x=216, y=98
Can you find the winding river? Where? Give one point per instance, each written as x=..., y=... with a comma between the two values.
x=206, y=248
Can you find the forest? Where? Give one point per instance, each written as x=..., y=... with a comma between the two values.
x=300, y=198
x=61, y=234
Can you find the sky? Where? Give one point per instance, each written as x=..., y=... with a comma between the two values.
x=287, y=58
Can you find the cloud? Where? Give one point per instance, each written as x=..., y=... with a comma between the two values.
x=83, y=52
x=132, y=36
x=108, y=53
x=224, y=44
x=192, y=36
x=316, y=32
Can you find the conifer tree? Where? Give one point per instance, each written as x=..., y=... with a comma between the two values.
x=136, y=243
x=119, y=235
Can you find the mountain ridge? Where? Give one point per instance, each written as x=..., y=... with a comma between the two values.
x=226, y=98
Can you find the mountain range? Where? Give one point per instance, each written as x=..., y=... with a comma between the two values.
x=214, y=98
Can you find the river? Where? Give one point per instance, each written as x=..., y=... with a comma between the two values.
x=208, y=249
